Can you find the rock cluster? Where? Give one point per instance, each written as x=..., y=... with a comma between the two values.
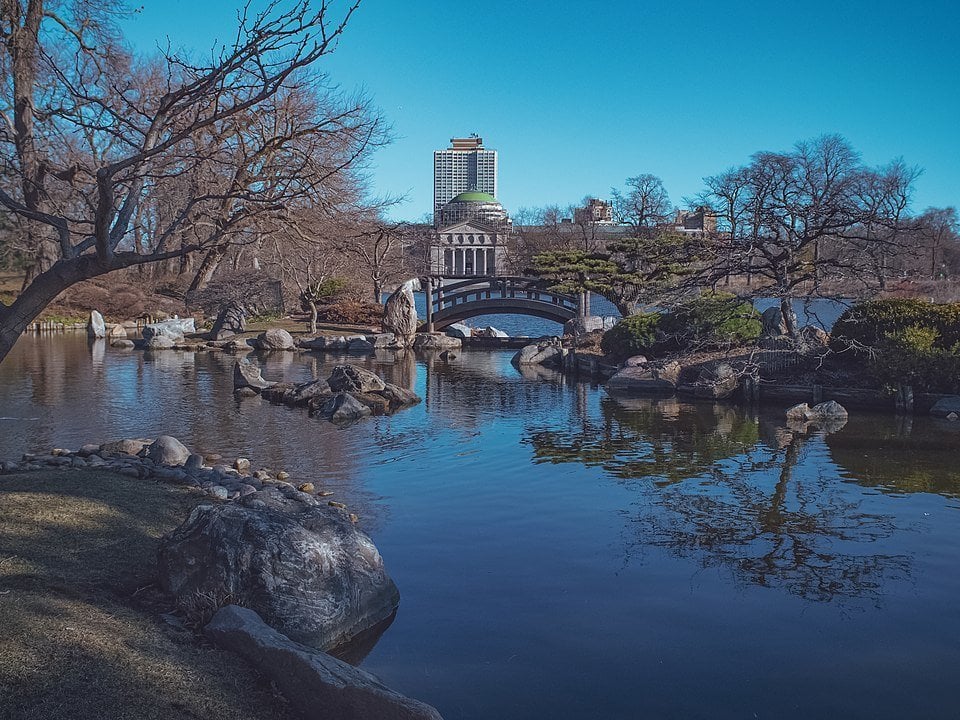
x=166, y=459
x=829, y=416
x=349, y=394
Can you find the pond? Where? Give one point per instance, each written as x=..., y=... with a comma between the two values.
x=562, y=553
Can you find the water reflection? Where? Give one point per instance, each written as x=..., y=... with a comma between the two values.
x=748, y=494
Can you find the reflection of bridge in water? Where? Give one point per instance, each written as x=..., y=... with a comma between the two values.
x=451, y=300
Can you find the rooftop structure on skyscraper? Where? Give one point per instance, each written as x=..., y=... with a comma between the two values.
x=465, y=166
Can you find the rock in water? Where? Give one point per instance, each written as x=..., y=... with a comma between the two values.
x=96, y=328
x=945, y=406
x=167, y=450
x=546, y=352
x=118, y=332
x=310, y=680
x=247, y=375
x=400, y=313
x=435, y=341
x=459, y=330
x=350, y=378
x=343, y=408
x=174, y=329
x=654, y=377
x=305, y=569
x=275, y=339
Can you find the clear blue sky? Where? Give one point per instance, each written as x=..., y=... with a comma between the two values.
x=578, y=96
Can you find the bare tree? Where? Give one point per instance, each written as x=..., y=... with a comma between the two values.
x=90, y=134
x=789, y=217
x=643, y=205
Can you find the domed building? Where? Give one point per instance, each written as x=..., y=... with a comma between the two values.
x=470, y=237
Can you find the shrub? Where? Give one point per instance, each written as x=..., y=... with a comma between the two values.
x=633, y=335
x=874, y=323
x=910, y=342
x=713, y=319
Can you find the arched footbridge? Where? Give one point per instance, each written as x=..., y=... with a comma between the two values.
x=451, y=300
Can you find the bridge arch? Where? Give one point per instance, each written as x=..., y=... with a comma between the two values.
x=452, y=300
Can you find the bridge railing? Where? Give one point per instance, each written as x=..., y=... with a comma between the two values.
x=445, y=294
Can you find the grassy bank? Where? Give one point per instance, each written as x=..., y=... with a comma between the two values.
x=81, y=622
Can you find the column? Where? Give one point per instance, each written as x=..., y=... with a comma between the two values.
x=491, y=261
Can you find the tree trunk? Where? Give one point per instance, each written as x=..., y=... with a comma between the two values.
x=208, y=267
x=377, y=291
x=313, y=316
x=789, y=316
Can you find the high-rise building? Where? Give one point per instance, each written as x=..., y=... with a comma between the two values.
x=466, y=165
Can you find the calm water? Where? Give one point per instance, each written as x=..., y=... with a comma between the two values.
x=561, y=554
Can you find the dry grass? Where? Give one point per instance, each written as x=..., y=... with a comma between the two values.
x=80, y=626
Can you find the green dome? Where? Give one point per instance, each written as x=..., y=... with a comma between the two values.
x=475, y=196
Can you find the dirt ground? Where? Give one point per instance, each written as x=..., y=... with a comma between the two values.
x=82, y=630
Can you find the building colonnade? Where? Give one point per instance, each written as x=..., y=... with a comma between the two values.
x=469, y=261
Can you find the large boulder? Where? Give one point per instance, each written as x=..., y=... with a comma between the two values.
x=305, y=568
x=588, y=324
x=829, y=416
x=435, y=341
x=275, y=339
x=945, y=406
x=123, y=447
x=458, y=330
x=653, y=377
x=400, y=312
x=490, y=332
x=167, y=450
x=160, y=342
x=545, y=352
x=231, y=320
x=342, y=409
x=174, y=329
x=313, y=682
x=715, y=382
x=117, y=332
x=773, y=322
x=96, y=327
x=247, y=375
x=350, y=378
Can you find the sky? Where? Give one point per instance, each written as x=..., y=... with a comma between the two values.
x=577, y=97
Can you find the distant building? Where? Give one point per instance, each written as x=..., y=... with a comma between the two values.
x=470, y=237
x=596, y=211
x=466, y=165
x=701, y=219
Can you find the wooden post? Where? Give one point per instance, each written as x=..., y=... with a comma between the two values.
x=429, y=298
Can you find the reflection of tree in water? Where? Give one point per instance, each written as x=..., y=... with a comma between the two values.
x=765, y=510
x=664, y=440
x=776, y=521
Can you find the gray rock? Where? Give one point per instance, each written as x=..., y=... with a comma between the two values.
x=448, y=356
x=399, y=397
x=589, y=324
x=716, y=382
x=490, y=332
x=117, y=332
x=159, y=342
x=88, y=449
x=360, y=345
x=435, y=341
x=773, y=322
x=459, y=330
x=343, y=408
x=313, y=682
x=636, y=361
x=167, y=450
x=400, y=313
x=306, y=569
x=173, y=329
x=325, y=342
x=241, y=465
x=122, y=344
x=275, y=339
x=194, y=463
x=247, y=375
x=96, y=327
x=123, y=447
x=813, y=336
x=218, y=491
x=382, y=340
x=8, y=466
x=826, y=413
x=654, y=377
x=350, y=378
x=946, y=405
x=545, y=352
